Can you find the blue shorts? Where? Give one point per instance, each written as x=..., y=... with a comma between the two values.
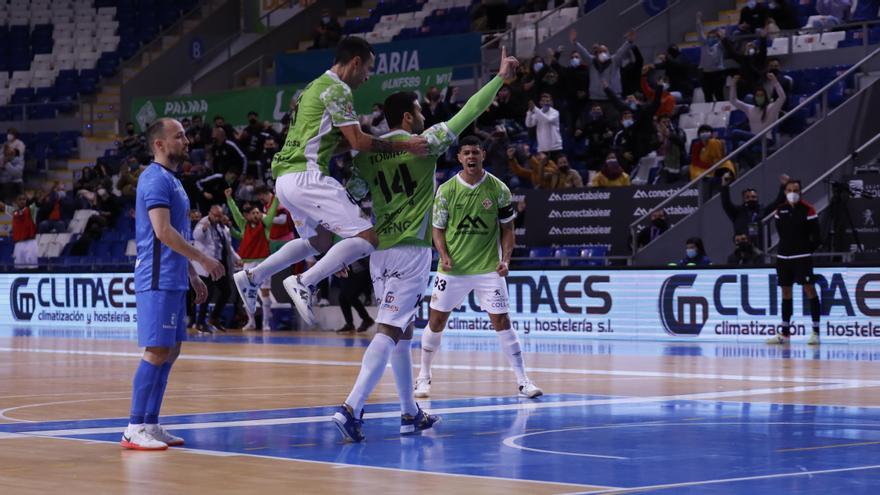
x=161, y=317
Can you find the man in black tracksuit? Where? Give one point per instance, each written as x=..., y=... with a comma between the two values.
x=746, y=218
x=798, y=227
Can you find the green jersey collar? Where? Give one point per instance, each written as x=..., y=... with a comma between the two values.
x=465, y=184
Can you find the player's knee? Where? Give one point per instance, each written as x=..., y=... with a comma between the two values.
x=157, y=355
x=501, y=322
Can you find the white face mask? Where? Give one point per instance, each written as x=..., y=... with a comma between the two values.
x=376, y=114
x=705, y=136
x=603, y=57
x=10, y=138
x=575, y=62
x=751, y=51
x=793, y=197
x=665, y=86
x=627, y=123
x=61, y=194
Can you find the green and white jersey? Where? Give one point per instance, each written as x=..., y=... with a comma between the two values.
x=402, y=187
x=471, y=215
x=324, y=105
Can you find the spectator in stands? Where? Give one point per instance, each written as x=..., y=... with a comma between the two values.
x=659, y=225
x=631, y=71
x=541, y=172
x=95, y=226
x=251, y=143
x=611, y=174
x=746, y=217
x=694, y=253
x=195, y=135
x=786, y=81
x=706, y=151
x=831, y=13
x=866, y=10
x=784, y=14
x=270, y=147
x=671, y=152
x=711, y=61
x=679, y=71
x=226, y=156
x=605, y=69
x=667, y=101
x=219, y=121
x=355, y=283
x=576, y=79
x=128, y=178
x=507, y=110
x=753, y=17
x=132, y=142
x=752, y=63
x=212, y=188
x=763, y=114
x=24, y=231
x=375, y=122
x=55, y=209
x=11, y=172
x=599, y=137
x=497, y=144
x=328, y=32
x=637, y=137
x=88, y=180
x=545, y=120
x=746, y=253
x=211, y=236
x=13, y=139
x=435, y=108
x=567, y=177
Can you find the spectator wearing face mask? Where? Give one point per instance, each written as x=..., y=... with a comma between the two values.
x=575, y=77
x=637, y=137
x=753, y=17
x=549, y=78
x=13, y=140
x=196, y=144
x=435, y=109
x=713, y=72
x=545, y=120
x=752, y=63
x=213, y=187
x=671, y=152
x=226, y=156
x=706, y=151
x=567, y=177
x=763, y=114
x=631, y=71
x=24, y=231
x=11, y=172
x=611, y=174
x=541, y=172
x=833, y=12
x=376, y=121
x=604, y=69
x=251, y=143
x=131, y=143
x=667, y=101
x=659, y=225
x=746, y=217
x=593, y=127
x=678, y=69
x=783, y=14
x=328, y=32
x=745, y=252
x=786, y=81
x=55, y=209
x=694, y=253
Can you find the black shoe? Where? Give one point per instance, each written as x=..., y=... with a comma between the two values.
x=214, y=322
x=202, y=328
x=347, y=328
x=366, y=324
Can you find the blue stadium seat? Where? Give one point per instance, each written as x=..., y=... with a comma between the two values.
x=595, y=255
x=541, y=252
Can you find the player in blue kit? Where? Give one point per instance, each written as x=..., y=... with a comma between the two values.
x=162, y=275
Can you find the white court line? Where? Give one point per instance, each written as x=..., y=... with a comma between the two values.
x=563, y=371
x=465, y=410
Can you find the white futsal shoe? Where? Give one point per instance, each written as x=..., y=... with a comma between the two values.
x=423, y=388
x=301, y=297
x=779, y=340
x=137, y=438
x=530, y=390
x=247, y=290
x=814, y=339
x=162, y=435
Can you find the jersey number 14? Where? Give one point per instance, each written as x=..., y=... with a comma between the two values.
x=401, y=183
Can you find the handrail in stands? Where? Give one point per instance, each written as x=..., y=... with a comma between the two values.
x=759, y=137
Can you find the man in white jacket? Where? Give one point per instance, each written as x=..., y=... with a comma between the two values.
x=212, y=237
x=546, y=120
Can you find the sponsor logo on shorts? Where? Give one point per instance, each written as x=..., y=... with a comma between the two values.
x=389, y=298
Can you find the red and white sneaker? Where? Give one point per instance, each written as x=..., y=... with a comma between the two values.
x=137, y=438
x=162, y=435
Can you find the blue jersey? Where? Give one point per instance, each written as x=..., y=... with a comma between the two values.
x=157, y=266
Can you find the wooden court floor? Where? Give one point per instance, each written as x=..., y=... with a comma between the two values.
x=56, y=385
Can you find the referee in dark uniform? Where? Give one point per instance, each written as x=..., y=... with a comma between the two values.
x=798, y=227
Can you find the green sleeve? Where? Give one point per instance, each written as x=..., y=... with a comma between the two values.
x=476, y=105
x=269, y=217
x=236, y=214
x=236, y=233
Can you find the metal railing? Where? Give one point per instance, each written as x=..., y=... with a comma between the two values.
x=510, y=34
x=761, y=139
x=767, y=225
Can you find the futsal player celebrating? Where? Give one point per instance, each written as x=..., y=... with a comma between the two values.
x=163, y=235
x=798, y=227
x=402, y=189
x=324, y=124
x=473, y=232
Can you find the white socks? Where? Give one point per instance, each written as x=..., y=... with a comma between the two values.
x=339, y=256
x=290, y=253
x=513, y=352
x=266, y=303
x=373, y=365
x=401, y=364
x=430, y=348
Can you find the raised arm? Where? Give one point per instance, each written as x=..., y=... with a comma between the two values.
x=745, y=107
x=480, y=101
x=780, y=92
x=701, y=33
x=572, y=36
x=236, y=213
x=269, y=217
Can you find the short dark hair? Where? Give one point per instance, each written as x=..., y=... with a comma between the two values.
x=156, y=131
x=794, y=181
x=706, y=128
x=351, y=47
x=470, y=141
x=748, y=190
x=254, y=113
x=248, y=208
x=262, y=190
x=696, y=241
x=397, y=105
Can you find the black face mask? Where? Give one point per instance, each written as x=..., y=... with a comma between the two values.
x=660, y=223
x=253, y=121
x=752, y=205
x=130, y=132
x=744, y=246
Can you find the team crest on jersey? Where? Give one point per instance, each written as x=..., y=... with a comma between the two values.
x=487, y=203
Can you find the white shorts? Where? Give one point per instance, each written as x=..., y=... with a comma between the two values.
x=313, y=200
x=249, y=265
x=450, y=290
x=400, y=278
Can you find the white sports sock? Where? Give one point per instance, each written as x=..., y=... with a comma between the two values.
x=251, y=322
x=339, y=256
x=430, y=348
x=401, y=364
x=373, y=365
x=290, y=253
x=266, y=303
x=513, y=352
